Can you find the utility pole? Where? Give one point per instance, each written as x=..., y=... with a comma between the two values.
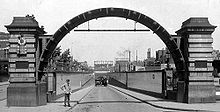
x=129, y=55
x=136, y=55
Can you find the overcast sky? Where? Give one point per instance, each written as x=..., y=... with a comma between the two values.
x=52, y=14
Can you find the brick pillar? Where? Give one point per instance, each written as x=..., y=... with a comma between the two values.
x=196, y=46
x=24, y=88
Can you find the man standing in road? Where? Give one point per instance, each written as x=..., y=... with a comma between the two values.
x=67, y=90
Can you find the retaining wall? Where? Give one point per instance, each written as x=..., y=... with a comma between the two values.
x=149, y=82
x=77, y=80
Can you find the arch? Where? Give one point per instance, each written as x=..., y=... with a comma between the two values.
x=113, y=12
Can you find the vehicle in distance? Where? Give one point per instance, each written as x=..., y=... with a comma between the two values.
x=101, y=81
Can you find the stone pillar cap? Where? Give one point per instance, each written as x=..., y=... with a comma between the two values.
x=25, y=22
x=196, y=22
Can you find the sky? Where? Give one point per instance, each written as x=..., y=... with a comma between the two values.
x=52, y=14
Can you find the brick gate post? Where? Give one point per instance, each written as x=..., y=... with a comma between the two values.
x=24, y=88
x=196, y=46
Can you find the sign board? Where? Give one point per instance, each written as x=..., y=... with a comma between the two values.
x=21, y=64
x=51, y=83
x=101, y=71
x=22, y=79
x=22, y=75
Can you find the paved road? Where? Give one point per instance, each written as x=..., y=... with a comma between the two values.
x=106, y=99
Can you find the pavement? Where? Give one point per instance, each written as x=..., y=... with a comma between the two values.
x=172, y=105
x=58, y=106
x=55, y=106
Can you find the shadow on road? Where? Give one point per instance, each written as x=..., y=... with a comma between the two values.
x=62, y=101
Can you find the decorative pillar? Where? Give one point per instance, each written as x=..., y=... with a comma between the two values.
x=196, y=46
x=24, y=88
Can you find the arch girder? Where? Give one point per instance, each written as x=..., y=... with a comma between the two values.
x=114, y=12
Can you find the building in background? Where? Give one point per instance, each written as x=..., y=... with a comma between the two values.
x=216, y=63
x=103, y=66
x=161, y=56
x=122, y=64
x=4, y=47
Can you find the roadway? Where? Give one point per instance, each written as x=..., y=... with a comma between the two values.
x=107, y=99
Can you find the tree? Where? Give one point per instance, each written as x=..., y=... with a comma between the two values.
x=65, y=57
x=57, y=52
x=54, y=58
x=75, y=65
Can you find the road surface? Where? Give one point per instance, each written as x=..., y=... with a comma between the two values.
x=107, y=99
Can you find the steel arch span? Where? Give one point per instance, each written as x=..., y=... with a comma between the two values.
x=113, y=12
